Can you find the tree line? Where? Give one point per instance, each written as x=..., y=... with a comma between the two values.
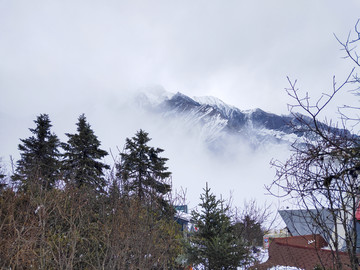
x=63, y=208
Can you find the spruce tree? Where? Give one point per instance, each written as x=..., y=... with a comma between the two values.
x=81, y=165
x=39, y=163
x=214, y=245
x=143, y=172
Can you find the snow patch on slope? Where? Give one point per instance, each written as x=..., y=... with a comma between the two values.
x=216, y=102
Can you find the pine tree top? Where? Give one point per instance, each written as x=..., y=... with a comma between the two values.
x=39, y=162
x=81, y=163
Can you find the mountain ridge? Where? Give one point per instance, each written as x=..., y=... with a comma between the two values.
x=219, y=124
x=217, y=121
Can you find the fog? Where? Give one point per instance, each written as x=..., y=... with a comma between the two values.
x=238, y=172
x=67, y=57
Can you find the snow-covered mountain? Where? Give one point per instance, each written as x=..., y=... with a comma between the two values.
x=215, y=122
x=209, y=141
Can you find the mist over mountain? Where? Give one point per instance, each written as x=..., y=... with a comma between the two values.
x=215, y=123
x=205, y=139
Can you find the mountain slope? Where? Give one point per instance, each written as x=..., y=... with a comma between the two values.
x=208, y=140
x=220, y=125
x=215, y=122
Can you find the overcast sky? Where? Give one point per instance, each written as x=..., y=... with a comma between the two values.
x=66, y=57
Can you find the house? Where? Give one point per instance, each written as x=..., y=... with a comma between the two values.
x=304, y=252
x=308, y=222
x=309, y=243
x=183, y=218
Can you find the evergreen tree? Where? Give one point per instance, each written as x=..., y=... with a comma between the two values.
x=39, y=162
x=143, y=172
x=214, y=244
x=81, y=165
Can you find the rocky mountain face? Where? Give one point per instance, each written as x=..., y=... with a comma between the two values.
x=218, y=123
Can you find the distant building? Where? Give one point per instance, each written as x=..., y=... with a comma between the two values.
x=182, y=208
x=272, y=235
x=183, y=218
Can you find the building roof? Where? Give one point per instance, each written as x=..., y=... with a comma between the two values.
x=303, y=252
x=307, y=222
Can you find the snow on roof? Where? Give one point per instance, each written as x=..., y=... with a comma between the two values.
x=182, y=215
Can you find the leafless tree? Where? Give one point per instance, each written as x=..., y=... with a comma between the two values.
x=323, y=170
